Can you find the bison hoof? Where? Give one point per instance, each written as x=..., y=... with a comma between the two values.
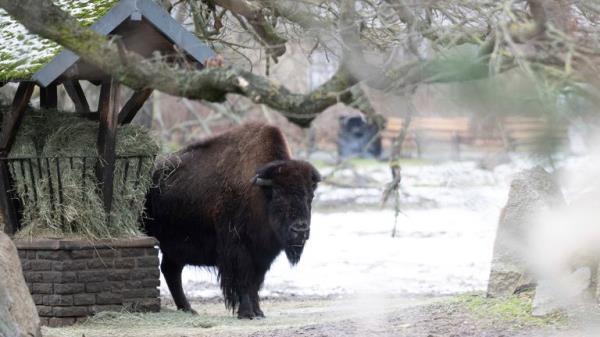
x=246, y=315
x=259, y=314
x=190, y=311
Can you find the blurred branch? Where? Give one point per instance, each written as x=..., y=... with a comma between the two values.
x=393, y=187
x=364, y=32
x=253, y=14
x=296, y=12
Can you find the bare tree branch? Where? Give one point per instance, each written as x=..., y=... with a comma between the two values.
x=44, y=18
x=264, y=29
x=506, y=32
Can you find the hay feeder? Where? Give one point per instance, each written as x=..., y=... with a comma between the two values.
x=143, y=27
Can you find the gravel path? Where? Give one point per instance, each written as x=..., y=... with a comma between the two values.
x=368, y=316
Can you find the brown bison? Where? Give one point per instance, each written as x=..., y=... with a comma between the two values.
x=233, y=202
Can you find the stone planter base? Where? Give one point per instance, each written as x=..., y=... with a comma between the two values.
x=73, y=279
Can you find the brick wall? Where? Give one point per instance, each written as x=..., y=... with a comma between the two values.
x=71, y=279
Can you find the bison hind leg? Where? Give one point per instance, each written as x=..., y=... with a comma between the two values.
x=172, y=273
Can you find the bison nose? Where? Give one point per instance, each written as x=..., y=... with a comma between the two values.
x=299, y=231
x=299, y=226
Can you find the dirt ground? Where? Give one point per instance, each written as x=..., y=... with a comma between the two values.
x=466, y=315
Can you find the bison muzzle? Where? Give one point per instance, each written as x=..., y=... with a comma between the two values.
x=234, y=202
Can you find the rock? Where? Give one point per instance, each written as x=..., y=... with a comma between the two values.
x=566, y=254
x=18, y=314
x=530, y=192
x=544, y=303
x=552, y=296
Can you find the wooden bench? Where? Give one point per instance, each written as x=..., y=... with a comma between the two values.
x=454, y=130
x=511, y=133
x=526, y=131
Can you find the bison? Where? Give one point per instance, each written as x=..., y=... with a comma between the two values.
x=234, y=202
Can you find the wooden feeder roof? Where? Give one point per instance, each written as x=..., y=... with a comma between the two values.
x=144, y=26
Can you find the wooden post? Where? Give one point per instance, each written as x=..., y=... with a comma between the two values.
x=133, y=105
x=107, y=133
x=10, y=125
x=77, y=95
x=419, y=145
x=48, y=97
x=456, y=146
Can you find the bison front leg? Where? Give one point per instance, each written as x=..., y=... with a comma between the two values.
x=247, y=296
x=245, y=310
x=172, y=273
x=258, y=281
x=236, y=272
x=250, y=302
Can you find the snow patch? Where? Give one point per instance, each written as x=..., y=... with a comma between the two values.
x=438, y=251
x=443, y=248
x=23, y=53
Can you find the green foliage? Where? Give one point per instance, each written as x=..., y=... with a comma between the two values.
x=456, y=65
x=515, y=309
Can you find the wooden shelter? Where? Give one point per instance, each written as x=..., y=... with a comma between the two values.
x=142, y=26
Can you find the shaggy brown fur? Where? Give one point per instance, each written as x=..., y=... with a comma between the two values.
x=234, y=201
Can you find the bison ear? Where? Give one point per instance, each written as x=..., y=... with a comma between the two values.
x=265, y=174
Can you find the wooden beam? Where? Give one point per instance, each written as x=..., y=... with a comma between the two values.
x=93, y=116
x=9, y=209
x=77, y=95
x=11, y=122
x=107, y=134
x=10, y=125
x=133, y=105
x=48, y=97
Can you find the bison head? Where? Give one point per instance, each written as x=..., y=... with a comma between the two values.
x=288, y=187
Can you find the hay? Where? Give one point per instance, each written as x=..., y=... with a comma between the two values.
x=67, y=144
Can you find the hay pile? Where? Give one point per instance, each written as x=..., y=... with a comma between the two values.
x=66, y=143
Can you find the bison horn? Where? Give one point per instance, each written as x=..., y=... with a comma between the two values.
x=261, y=181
